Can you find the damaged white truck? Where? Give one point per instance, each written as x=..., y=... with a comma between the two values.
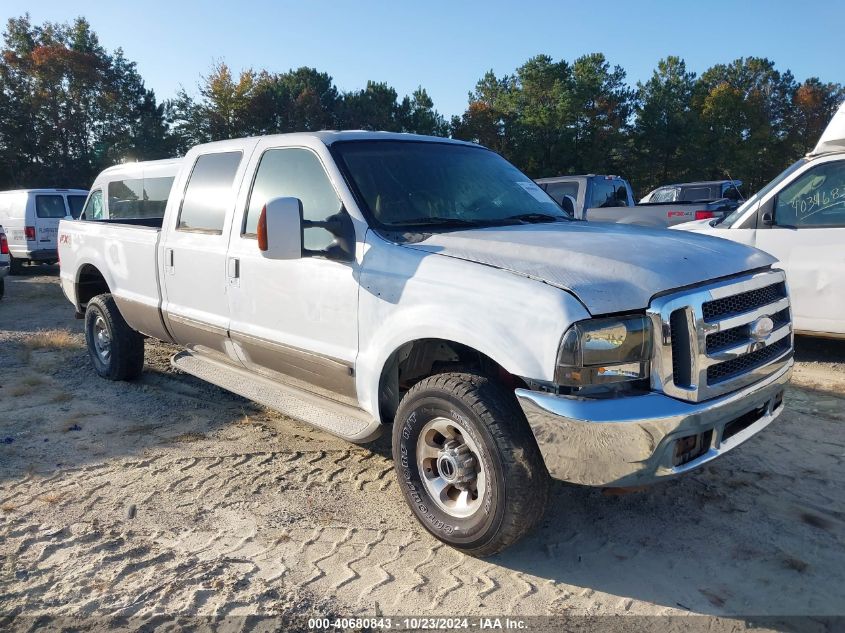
x=360, y=280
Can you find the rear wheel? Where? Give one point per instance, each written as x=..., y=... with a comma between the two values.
x=2, y=287
x=116, y=350
x=467, y=462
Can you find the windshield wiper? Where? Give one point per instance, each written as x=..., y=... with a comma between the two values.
x=535, y=218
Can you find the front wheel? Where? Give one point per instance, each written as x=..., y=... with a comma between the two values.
x=116, y=350
x=467, y=462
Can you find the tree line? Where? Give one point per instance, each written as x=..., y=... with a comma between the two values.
x=69, y=108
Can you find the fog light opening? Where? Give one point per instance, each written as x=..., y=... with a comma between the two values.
x=691, y=447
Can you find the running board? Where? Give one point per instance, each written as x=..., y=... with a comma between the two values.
x=336, y=418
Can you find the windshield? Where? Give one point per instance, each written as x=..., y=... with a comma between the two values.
x=413, y=183
x=731, y=219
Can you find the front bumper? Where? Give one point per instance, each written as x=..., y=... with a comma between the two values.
x=633, y=441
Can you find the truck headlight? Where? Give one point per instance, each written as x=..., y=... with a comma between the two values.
x=607, y=350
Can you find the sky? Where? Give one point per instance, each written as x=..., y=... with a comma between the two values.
x=448, y=46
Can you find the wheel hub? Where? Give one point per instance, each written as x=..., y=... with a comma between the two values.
x=456, y=464
x=450, y=468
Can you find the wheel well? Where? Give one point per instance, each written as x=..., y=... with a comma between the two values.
x=422, y=358
x=90, y=284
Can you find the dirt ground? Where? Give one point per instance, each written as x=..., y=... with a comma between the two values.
x=168, y=496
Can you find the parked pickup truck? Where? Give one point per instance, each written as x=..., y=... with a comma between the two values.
x=799, y=218
x=610, y=199
x=357, y=280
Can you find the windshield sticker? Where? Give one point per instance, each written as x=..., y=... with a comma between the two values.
x=534, y=190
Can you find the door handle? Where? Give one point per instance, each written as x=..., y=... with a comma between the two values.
x=234, y=268
x=168, y=260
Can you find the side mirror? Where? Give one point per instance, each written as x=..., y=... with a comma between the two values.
x=568, y=205
x=280, y=229
x=767, y=219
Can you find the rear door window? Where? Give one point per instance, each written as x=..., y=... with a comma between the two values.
x=50, y=206
x=559, y=189
x=608, y=193
x=209, y=193
x=75, y=203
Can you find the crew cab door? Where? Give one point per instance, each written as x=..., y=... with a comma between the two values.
x=293, y=320
x=808, y=237
x=193, y=253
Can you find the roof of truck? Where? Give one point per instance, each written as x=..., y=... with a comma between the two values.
x=570, y=177
x=47, y=190
x=701, y=183
x=328, y=137
x=144, y=164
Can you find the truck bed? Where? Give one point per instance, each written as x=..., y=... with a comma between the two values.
x=124, y=253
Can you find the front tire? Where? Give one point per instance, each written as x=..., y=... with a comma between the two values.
x=116, y=350
x=467, y=462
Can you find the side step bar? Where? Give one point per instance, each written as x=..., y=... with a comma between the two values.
x=342, y=420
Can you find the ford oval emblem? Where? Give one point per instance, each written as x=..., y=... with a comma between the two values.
x=761, y=328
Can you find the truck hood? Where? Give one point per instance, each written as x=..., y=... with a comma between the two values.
x=609, y=267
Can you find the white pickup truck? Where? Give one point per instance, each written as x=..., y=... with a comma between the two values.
x=799, y=217
x=356, y=280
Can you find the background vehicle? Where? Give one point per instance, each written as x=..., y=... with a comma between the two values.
x=610, y=199
x=704, y=191
x=4, y=261
x=359, y=279
x=132, y=191
x=589, y=192
x=31, y=220
x=799, y=218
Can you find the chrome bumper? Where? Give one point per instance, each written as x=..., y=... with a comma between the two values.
x=632, y=441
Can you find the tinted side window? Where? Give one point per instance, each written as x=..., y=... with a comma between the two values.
x=125, y=198
x=94, y=209
x=139, y=198
x=50, y=207
x=75, y=203
x=156, y=192
x=559, y=189
x=295, y=173
x=816, y=198
x=608, y=193
x=209, y=192
x=690, y=194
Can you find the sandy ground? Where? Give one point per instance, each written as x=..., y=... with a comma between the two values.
x=170, y=497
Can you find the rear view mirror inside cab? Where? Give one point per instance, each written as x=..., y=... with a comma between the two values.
x=280, y=229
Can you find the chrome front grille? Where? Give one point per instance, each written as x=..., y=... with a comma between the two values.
x=721, y=337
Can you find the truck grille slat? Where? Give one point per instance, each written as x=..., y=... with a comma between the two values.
x=734, y=336
x=732, y=368
x=743, y=302
x=717, y=339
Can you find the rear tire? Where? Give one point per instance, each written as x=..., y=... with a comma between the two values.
x=467, y=462
x=15, y=266
x=116, y=350
x=2, y=287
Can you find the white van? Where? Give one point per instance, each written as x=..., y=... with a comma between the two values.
x=131, y=191
x=31, y=220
